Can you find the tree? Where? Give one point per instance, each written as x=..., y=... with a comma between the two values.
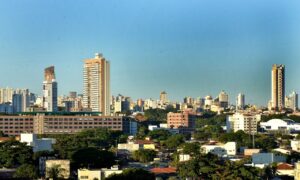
x=191, y=148
x=55, y=172
x=93, y=158
x=144, y=155
x=14, y=153
x=159, y=134
x=133, y=174
x=174, y=141
x=26, y=171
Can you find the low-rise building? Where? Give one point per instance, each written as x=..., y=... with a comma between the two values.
x=250, y=152
x=282, y=125
x=62, y=165
x=132, y=146
x=297, y=171
x=244, y=122
x=285, y=169
x=44, y=144
x=267, y=158
x=219, y=149
x=100, y=174
x=295, y=144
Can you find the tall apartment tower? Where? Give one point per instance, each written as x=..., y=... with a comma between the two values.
x=96, y=82
x=278, y=86
x=240, y=101
x=50, y=90
x=163, y=97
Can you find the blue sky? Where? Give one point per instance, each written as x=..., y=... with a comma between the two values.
x=187, y=48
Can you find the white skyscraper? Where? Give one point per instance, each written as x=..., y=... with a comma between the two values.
x=96, y=82
x=240, y=101
x=50, y=90
x=291, y=101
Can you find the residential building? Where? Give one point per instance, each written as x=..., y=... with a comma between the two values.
x=278, y=87
x=285, y=169
x=100, y=174
x=250, y=152
x=283, y=125
x=291, y=101
x=223, y=99
x=96, y=82
x=64, y=165
x=295, y=145
x=163, y=97
x=132, y=146
x=184, y=119
x=297, y=171
x=245, y=122
x=50, y=90
x=219, y=149
x=240, y=103
x=6, y=95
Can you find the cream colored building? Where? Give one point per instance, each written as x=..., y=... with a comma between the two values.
x=295, y=144
x=297, y=171
x=96, y=82
x=220, y=149
x=278, y=86
x=245, y=122
x=100, y=174
x=63, y=165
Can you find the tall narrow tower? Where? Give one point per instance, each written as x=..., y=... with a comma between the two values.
x=50, y=90
x=278, y=86
x=96, y=82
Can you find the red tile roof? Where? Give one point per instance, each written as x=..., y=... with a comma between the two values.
x=285, y=166
x=168, y=170
x=144, y=142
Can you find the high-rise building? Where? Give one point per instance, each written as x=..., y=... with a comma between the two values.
x=240, y=103
x=96, y=82
x=21, y=100
x=223, y=99
x=50, y=90
x=163, y=97
x=278, y=86
x=6, y=95
x=291, y=101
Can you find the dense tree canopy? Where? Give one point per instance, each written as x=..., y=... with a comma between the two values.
x=174, y=141
x=211, y=167
x=159, y=134
x=144, y=155
x=14, y=153
x=93, y=158
x=26, y=171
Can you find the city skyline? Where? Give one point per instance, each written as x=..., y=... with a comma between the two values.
x=193, y=53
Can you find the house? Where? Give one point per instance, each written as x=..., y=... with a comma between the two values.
x=295, y=144
x=285, y=169
x=297, y=171
x=132, y=146
x=219, y=149
x=100, y=174
x=164, y=173
x=267, y=158
x=250, y=152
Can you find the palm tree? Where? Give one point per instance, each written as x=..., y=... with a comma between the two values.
x=55, y=172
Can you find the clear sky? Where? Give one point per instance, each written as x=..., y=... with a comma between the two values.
x=187, y=47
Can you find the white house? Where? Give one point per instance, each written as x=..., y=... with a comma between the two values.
x=228, y=149
x=295, y=144
x=44, y=144
x=280, y=125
